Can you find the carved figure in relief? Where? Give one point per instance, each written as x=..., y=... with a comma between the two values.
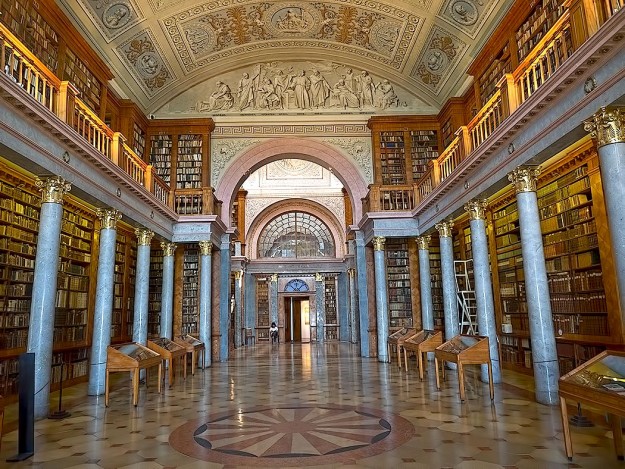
x=350, y=80
x=281, y=82
x=319, y=89
x=221, y=98
x=366, y=88
x=268, y=96
x=114, y=19
x=385, y=95
x=291, y=22
x=344, y=95
x=245, y=92
x=300, y=85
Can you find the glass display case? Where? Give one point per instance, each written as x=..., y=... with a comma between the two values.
x=422, y=342
x=172, y=352
x=193, y=346
x=131, y=357
x=395, y=341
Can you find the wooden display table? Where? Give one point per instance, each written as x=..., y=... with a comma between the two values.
x=170, y=351
x=599, y=383
x=194, y=347
x=131, y=357
x=464, y=350
x=396, y=339
x=422, y=342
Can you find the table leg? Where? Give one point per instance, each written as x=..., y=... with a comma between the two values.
x=184, y=365
x=106, y=389
x=388, y=349
x=193, y=359
x=399, y=347
x=420, y=360
x=171, y=372
x=568, y=444
x=438, y=383
x=160, y=376
x=490, y=381
x=135, y=387
x=617, y=434
x=461, y=380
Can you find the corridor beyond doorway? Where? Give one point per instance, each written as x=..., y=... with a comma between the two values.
x=296, y=319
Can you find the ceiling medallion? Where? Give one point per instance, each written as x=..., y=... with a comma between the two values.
x=116, y=15
x=464, y=12
x=590, y=84
x=292, y=20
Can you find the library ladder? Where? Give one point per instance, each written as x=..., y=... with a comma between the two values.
x=466, y=297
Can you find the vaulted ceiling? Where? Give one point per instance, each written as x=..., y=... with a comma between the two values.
x=170, y=56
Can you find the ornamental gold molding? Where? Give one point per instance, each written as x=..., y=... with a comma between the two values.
x=238, y=274
x=423, y=242
x=476, y=209
x=206, y=248
x=524, y=178
x=378, y=243
x=274, y=278
x=351, y=272
x=607, y=126
x=444, y=228
x=318, y=277
x=53, y=189
x=108, y=217
x=168, y=248
x=144, y=236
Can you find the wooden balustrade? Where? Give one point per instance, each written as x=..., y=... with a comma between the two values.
x=92, y=128
x=486, y=120
x=390, y=198
x=159, y=187
x=133, y=164
x=189, y=201
x=425, y=185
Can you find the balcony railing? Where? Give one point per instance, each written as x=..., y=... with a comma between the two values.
x=390, y=198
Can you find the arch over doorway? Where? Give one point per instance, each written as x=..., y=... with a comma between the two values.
x=301, y=148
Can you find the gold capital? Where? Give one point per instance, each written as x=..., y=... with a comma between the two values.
x=237, y=274
x=274, y=277
x=423, y=242
x=444, y=228
x=606, y=126
x=144, y=236
x=476, y=209
x=351, y=272
x=378, y=243
x=206, y=248
x=168, y=248
x=53, y=189
x=524, y=178
x=108, y=217
x=318, y=277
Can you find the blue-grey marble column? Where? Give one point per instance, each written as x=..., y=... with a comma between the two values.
x=205, y=324
x=353, y=316
x=250, y=302
x=43, y=299
x=320, y=300
x=485, y=305
x=167, y=293
x=448, y=274
x=361, y=289
x=381, y=297
x=238, y=309
x=103, y=310
x=225, y=295
x=607, y=127
x=273, y=299
x=425, y=282
x=544, y=353
x=142, y=286
x=342, y=301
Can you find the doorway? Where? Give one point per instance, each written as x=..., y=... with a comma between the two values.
x=297, y=319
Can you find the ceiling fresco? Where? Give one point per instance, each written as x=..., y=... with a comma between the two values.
x=171, y=56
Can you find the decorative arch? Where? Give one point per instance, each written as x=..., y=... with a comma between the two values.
x=301, y=205
x=302, y=148
x=296, y=285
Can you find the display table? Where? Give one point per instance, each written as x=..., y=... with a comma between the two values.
x=464, y=350
x=193, y=346
x=396, y=339
x=171, y=352
x=131, y=357
x=598, y=383
x=422, y=342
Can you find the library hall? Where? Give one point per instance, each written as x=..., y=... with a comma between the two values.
x=422, y=197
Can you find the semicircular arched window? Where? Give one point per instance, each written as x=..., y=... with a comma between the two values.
x=294, y=235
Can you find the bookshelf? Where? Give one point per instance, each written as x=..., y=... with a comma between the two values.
x=156, y=289
x=131, y=272
x=437, y=286
x=138, y=139
x=540, y=20
x=332, y=319
x=189, y=162
x=118, y=320
x=398, y=283
x=447, y=132
x=161, y=148
x=262, y=308
x=190, y=289
x=392, y=153
x=423, y=149
x=77, y=72
x=496, y=69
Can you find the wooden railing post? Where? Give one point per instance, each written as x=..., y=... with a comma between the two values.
x=207, y=201
x=374, y=197
x=149, y=178
x=465, y=141
x=67, y=102
x=586, y=16
x=509, y=95
x=436, y=173
x=117, y=150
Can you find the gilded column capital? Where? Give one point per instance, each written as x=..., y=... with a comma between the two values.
x=274, y=278
x=168, y=248
x=444, y=228
x=423, y=242
x=606, y=126
x=524, y=178
x=238, y=274
x=351, y=272
x=318, y=277
x=53, y=189
x=476, y=209
x=206, y=248
x=378, y=243
x=144, y=236
x=108, y=218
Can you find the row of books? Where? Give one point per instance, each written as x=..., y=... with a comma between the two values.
x=594, y=302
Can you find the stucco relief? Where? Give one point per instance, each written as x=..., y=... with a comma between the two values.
x=253, y=207
x=215, y=30
x=222, y=151
x=336, y=205
x=284, y=130
x=144, y=59
x=112, y=17
x=466, y=15
x=360, y=151
x=438, y=59
x=289, y=168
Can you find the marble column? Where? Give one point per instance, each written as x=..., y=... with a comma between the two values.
x=342, y=304
x=250, y=302
x=103, y=310
x=425, y=282
x=43, y=298
x=226, y=299
x=167, y=295
x=205, y=325
x=238, y=309
x=361, y=289
x=273, y=299
x=485, y=305
x=142, y=286
x=607, y=127
x=381, y=297
x=320, y=300
x=353, y=316
x=544, y=353
x=448, y=274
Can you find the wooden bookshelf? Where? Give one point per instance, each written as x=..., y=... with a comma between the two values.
x=540, y=20
x=138, y=139
x=487, y=81
x=332, y=319
x=262, y=308
x=131, y=273
x=78, y=73
x=423, y=149
x=190, y=290
x=118, y=319
x=436, y=285
x=189, y=162
x=161, y=151
x=156, y=290
x=399, y=283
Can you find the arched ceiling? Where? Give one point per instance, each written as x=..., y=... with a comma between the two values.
x=170, y=56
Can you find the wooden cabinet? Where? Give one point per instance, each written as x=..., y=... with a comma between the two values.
x=262, y=308
x=436, y=283
x=156, y=292
x=190, y=289
x=399, y=283
x=332, y=318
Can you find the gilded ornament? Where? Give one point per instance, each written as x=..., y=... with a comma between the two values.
x=206, y=248
x=108, y=217
x=607, y=126
x=53, y=189
x=378, y=243
x=168, y=248
x=423, y=242
x=476, y=209
x=318, y=277
x=524, y=178
x=144, y=236
x=351, y=273
x=238, y=274
x=444, y=228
